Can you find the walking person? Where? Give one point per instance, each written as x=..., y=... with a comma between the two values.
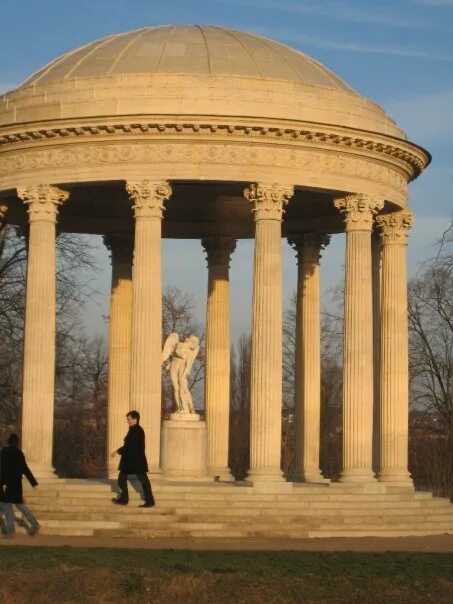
x=133, y=461
x=13, y=466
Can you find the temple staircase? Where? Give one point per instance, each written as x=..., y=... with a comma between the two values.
x=232, y=510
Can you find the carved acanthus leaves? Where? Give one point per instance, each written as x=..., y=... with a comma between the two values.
x=120, y=246
x=148, y=197
x=358, y=210
x=218, y=250
x=394, y=227
x=308, y=246
x=42, y=201
x=268, y=200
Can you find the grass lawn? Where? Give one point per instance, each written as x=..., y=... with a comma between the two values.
x=38, y=575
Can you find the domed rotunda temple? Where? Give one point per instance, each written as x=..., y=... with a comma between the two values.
x=200, y=132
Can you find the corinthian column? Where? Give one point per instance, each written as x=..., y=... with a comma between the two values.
x=217, y=370
x=148, y=199
x=358, y=211
x=268, y=203
x=120, y=335
x=307, y=402
x=394, y=378
x=42, y=203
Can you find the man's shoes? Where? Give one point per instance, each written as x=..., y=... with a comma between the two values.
x=9, y=535
x=34, y=531
x=146, y=505
x=119, y=501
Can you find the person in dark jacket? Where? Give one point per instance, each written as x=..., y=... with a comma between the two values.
x=133, y=461
x=12, y=467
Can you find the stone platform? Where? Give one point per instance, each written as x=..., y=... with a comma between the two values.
x=83, y=508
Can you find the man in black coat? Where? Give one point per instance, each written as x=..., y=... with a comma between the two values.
x=133, y=461
x=12, y=467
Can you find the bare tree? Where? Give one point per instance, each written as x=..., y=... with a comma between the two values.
x=239, y=441
x=431, y=355
x=80, y=427
x=76, y=266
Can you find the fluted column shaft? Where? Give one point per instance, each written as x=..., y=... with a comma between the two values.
x=358, y=211
x=217, y=369
x=394, y=373
x=266, y=362
x=307, y=400
x=148, y=198
x=40, y=321
x=376, y=269
x=120, y=336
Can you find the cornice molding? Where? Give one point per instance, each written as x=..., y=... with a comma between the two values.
x=313, y=136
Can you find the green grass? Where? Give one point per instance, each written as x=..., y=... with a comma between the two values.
x=223, y=577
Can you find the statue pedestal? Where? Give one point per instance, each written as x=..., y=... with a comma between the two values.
x=184, y=447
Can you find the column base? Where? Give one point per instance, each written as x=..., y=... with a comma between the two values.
x=396, y=478
x=42, y=471
x=111, y=469
x=357, y=476
x=268, y=480
x=221, y=474
x=309, y=475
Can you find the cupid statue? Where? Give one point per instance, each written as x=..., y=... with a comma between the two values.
x=183, y=354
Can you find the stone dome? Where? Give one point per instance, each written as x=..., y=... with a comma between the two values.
x=188, y=49
x=191, y=70
x=195, y=103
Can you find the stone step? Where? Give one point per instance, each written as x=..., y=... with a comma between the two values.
x=215, y=496
x=107, y=508
x=82, y=523
x=396, y=532
x=242, y=515
x=216, y=503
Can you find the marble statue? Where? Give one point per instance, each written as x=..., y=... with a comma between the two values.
x=182, y=354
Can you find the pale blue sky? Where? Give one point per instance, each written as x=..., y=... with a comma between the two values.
x=399, y=53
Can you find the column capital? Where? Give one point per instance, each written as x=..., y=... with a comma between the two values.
x=43, y=201
x=269, y=200
x=308, y=245
x=148, y=197
x=120, y=246
x=358, y=210
x=218, y=250
x=394, y=227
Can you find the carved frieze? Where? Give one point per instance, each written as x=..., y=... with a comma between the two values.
x=308, y=136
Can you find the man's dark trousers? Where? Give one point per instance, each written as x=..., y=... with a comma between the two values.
x=144, y=481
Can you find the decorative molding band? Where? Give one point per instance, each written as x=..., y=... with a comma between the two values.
x=116, y=153
x=231, y=130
